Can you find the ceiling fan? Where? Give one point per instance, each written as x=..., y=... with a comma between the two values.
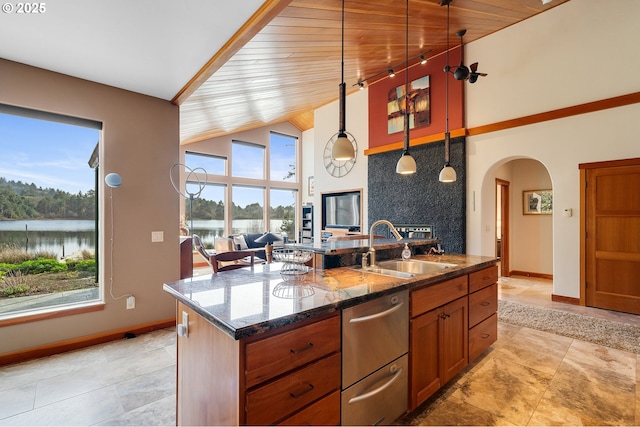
x=462, y=72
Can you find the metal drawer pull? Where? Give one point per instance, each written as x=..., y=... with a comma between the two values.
x=308, y=347
x=377, y=315
x=485, y=336
x=302, y=393
x=377, y=390
x=485, y=303
x=486, y=278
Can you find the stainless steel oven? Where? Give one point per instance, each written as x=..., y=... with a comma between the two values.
x=375, y=341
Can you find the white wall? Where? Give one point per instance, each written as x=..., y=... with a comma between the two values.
x=576, y=53
x=326, y=121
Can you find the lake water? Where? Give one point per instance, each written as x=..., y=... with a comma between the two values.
x=65, y=237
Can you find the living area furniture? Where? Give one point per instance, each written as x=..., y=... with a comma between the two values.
x=186, y=257
x=231, y=260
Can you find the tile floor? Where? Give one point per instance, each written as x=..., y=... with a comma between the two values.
x=527, y=378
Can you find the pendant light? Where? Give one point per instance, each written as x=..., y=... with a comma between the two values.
x=343, y=148
x=448, y=173
x=407, y=164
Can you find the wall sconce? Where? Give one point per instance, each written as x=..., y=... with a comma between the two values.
x=113, y=180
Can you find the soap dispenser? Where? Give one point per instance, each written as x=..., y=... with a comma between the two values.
x=406, y=252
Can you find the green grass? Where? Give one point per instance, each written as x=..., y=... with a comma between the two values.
x=24, y=274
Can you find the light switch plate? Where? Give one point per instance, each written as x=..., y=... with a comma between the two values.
x=157, y=236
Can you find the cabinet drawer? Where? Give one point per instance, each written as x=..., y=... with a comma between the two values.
x=430, y=297
x=272, y=356
x=482, y=336
x=324, y=412
x=279, y=398
x=483, y=304
x=483, y=278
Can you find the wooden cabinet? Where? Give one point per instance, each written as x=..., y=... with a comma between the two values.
x=283, y=377
x=439, y=343
x=452, y=323
x=287, y=372
x=483, y=305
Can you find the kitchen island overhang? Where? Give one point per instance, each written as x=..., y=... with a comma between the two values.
x=241, y=303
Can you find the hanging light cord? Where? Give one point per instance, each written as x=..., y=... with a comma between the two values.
x=406, y=84
x=446, y=99
x=343, y=88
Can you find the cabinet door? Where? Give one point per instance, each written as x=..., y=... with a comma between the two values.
x=454, y=334
x=424, y=357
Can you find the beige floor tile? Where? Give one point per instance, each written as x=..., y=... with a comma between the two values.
x=536, y=349
x=510, y=392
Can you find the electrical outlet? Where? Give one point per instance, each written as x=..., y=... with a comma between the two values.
x=131, y=302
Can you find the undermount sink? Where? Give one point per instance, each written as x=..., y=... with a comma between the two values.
x=410, y=268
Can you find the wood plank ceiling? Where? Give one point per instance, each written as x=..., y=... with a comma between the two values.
x=285, y=62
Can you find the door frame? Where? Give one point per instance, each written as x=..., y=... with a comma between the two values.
x=504, y=228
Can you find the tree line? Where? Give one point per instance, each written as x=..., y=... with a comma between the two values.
x=20, y=200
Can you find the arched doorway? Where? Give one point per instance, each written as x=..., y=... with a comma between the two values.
x=526, y=240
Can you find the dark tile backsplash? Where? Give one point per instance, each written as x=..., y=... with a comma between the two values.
x=420, y=198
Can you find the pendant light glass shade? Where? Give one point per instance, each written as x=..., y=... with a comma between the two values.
x=447, y=174
x=406, y=164
x=342, y=148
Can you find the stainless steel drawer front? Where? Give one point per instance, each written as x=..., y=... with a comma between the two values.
x=373, y=334
x=380, y=398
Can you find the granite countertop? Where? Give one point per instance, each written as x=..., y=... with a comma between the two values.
x=252, y=300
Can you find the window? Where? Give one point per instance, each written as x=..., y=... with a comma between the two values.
x=253, y=188
x=215, y=165
x=208, y=212
x=48, y=208
x=283, y=212
x=247, y=210
x=247, y=160
x=282, y=159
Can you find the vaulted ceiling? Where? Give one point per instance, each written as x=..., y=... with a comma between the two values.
x=291, y=65
x=234, y=66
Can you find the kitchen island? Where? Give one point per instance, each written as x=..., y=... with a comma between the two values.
x=256, y=349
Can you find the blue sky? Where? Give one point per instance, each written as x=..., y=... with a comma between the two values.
x=48, y=154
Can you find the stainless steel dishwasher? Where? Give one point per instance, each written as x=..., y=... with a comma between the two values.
x=375, y=341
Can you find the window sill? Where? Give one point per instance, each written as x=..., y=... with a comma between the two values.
x=51, y=313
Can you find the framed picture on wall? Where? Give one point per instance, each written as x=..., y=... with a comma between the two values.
x=419, y=106
x=537, y=202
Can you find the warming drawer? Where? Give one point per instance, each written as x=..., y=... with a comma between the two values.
x=374, y=333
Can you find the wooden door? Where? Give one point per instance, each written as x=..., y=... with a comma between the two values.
x=612, y=236
x=454, y=335
x=425, y=360
x=502, y=187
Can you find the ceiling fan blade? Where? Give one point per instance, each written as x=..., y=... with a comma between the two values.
x=473, y=67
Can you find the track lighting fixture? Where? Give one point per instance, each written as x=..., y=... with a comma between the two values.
x=406, y=164
x=342, y=148
x=389, y=71
x=361, y=85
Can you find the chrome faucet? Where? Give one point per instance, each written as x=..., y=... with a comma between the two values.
x=372, y=250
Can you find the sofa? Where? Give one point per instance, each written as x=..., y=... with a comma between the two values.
x=243, y=241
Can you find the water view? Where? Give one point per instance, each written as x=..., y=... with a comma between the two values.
x=67, y=237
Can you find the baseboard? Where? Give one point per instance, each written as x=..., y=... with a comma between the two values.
x=81, y=342
x=530, y=274
x=566, y=300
